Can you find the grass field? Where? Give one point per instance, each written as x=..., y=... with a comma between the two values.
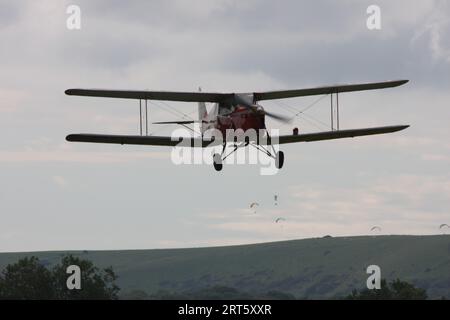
x=310, y=268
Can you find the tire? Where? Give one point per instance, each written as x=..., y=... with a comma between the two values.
x=217, y=160
x=279, y=159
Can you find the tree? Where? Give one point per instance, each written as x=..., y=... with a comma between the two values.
x=96, y=284
x=395, y=290
x=134, y=295
x=26, y=279
x=219, y=293
x=30, y=279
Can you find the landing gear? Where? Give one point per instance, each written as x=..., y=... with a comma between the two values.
x=279, y=159
x=217, y=158
x=278, y=156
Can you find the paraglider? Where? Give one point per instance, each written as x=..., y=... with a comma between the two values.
x=254, y=205
x=442, y=226
x=279, y=220
x=376, y=228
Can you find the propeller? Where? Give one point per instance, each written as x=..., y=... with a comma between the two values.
x=252, y=107
x=278, y=117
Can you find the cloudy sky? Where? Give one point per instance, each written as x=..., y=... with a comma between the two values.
x=60, y=195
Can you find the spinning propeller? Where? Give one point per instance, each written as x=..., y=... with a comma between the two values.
x=258, y=109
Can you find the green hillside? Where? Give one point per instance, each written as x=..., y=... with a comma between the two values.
x=312, y=268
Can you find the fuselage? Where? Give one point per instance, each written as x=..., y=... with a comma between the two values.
x=238, y=117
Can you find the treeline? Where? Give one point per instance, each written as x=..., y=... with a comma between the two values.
x=210, y=293
x=31, y=279
x=394, y=290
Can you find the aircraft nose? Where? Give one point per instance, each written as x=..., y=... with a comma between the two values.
x=260, y=109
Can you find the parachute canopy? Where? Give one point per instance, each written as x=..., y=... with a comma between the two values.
x=444, y=225
x=279, y=220
x=254, y=204
x=375, y=228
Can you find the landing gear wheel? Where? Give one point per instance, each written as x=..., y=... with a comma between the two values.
x=217, y=158
x=279, y=160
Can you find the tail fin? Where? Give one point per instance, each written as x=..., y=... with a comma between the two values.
x=202, y=113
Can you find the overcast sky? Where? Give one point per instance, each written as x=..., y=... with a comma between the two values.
x=56, y=195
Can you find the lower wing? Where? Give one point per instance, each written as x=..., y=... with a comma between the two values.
x=141, y=140
x=205, y=142
x=339, y=134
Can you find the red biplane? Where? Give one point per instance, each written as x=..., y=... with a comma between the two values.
x=233, y=111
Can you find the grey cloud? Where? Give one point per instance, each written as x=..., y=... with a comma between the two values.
x=225, y=45
x=9, y=14
x=276, y=39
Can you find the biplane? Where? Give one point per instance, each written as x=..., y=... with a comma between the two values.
x=231, y=112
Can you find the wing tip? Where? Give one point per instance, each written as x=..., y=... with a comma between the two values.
x=70, y=137
x=403, y=81
x=400, y=127
x=406, y=126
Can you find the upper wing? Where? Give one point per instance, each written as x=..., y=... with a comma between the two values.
x=177, y=122
x=269, y=95
x=152, y=95
x=329, y=135
x=221, y=97
x=141, y=140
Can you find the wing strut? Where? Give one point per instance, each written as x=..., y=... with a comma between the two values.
x=334, y=115
x=337, y=109
x=140, y=117
x=146, y=118
x=143, y=117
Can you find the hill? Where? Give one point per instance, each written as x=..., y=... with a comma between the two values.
x=309, y=268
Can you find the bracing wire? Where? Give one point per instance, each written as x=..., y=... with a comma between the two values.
x=297, y=112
